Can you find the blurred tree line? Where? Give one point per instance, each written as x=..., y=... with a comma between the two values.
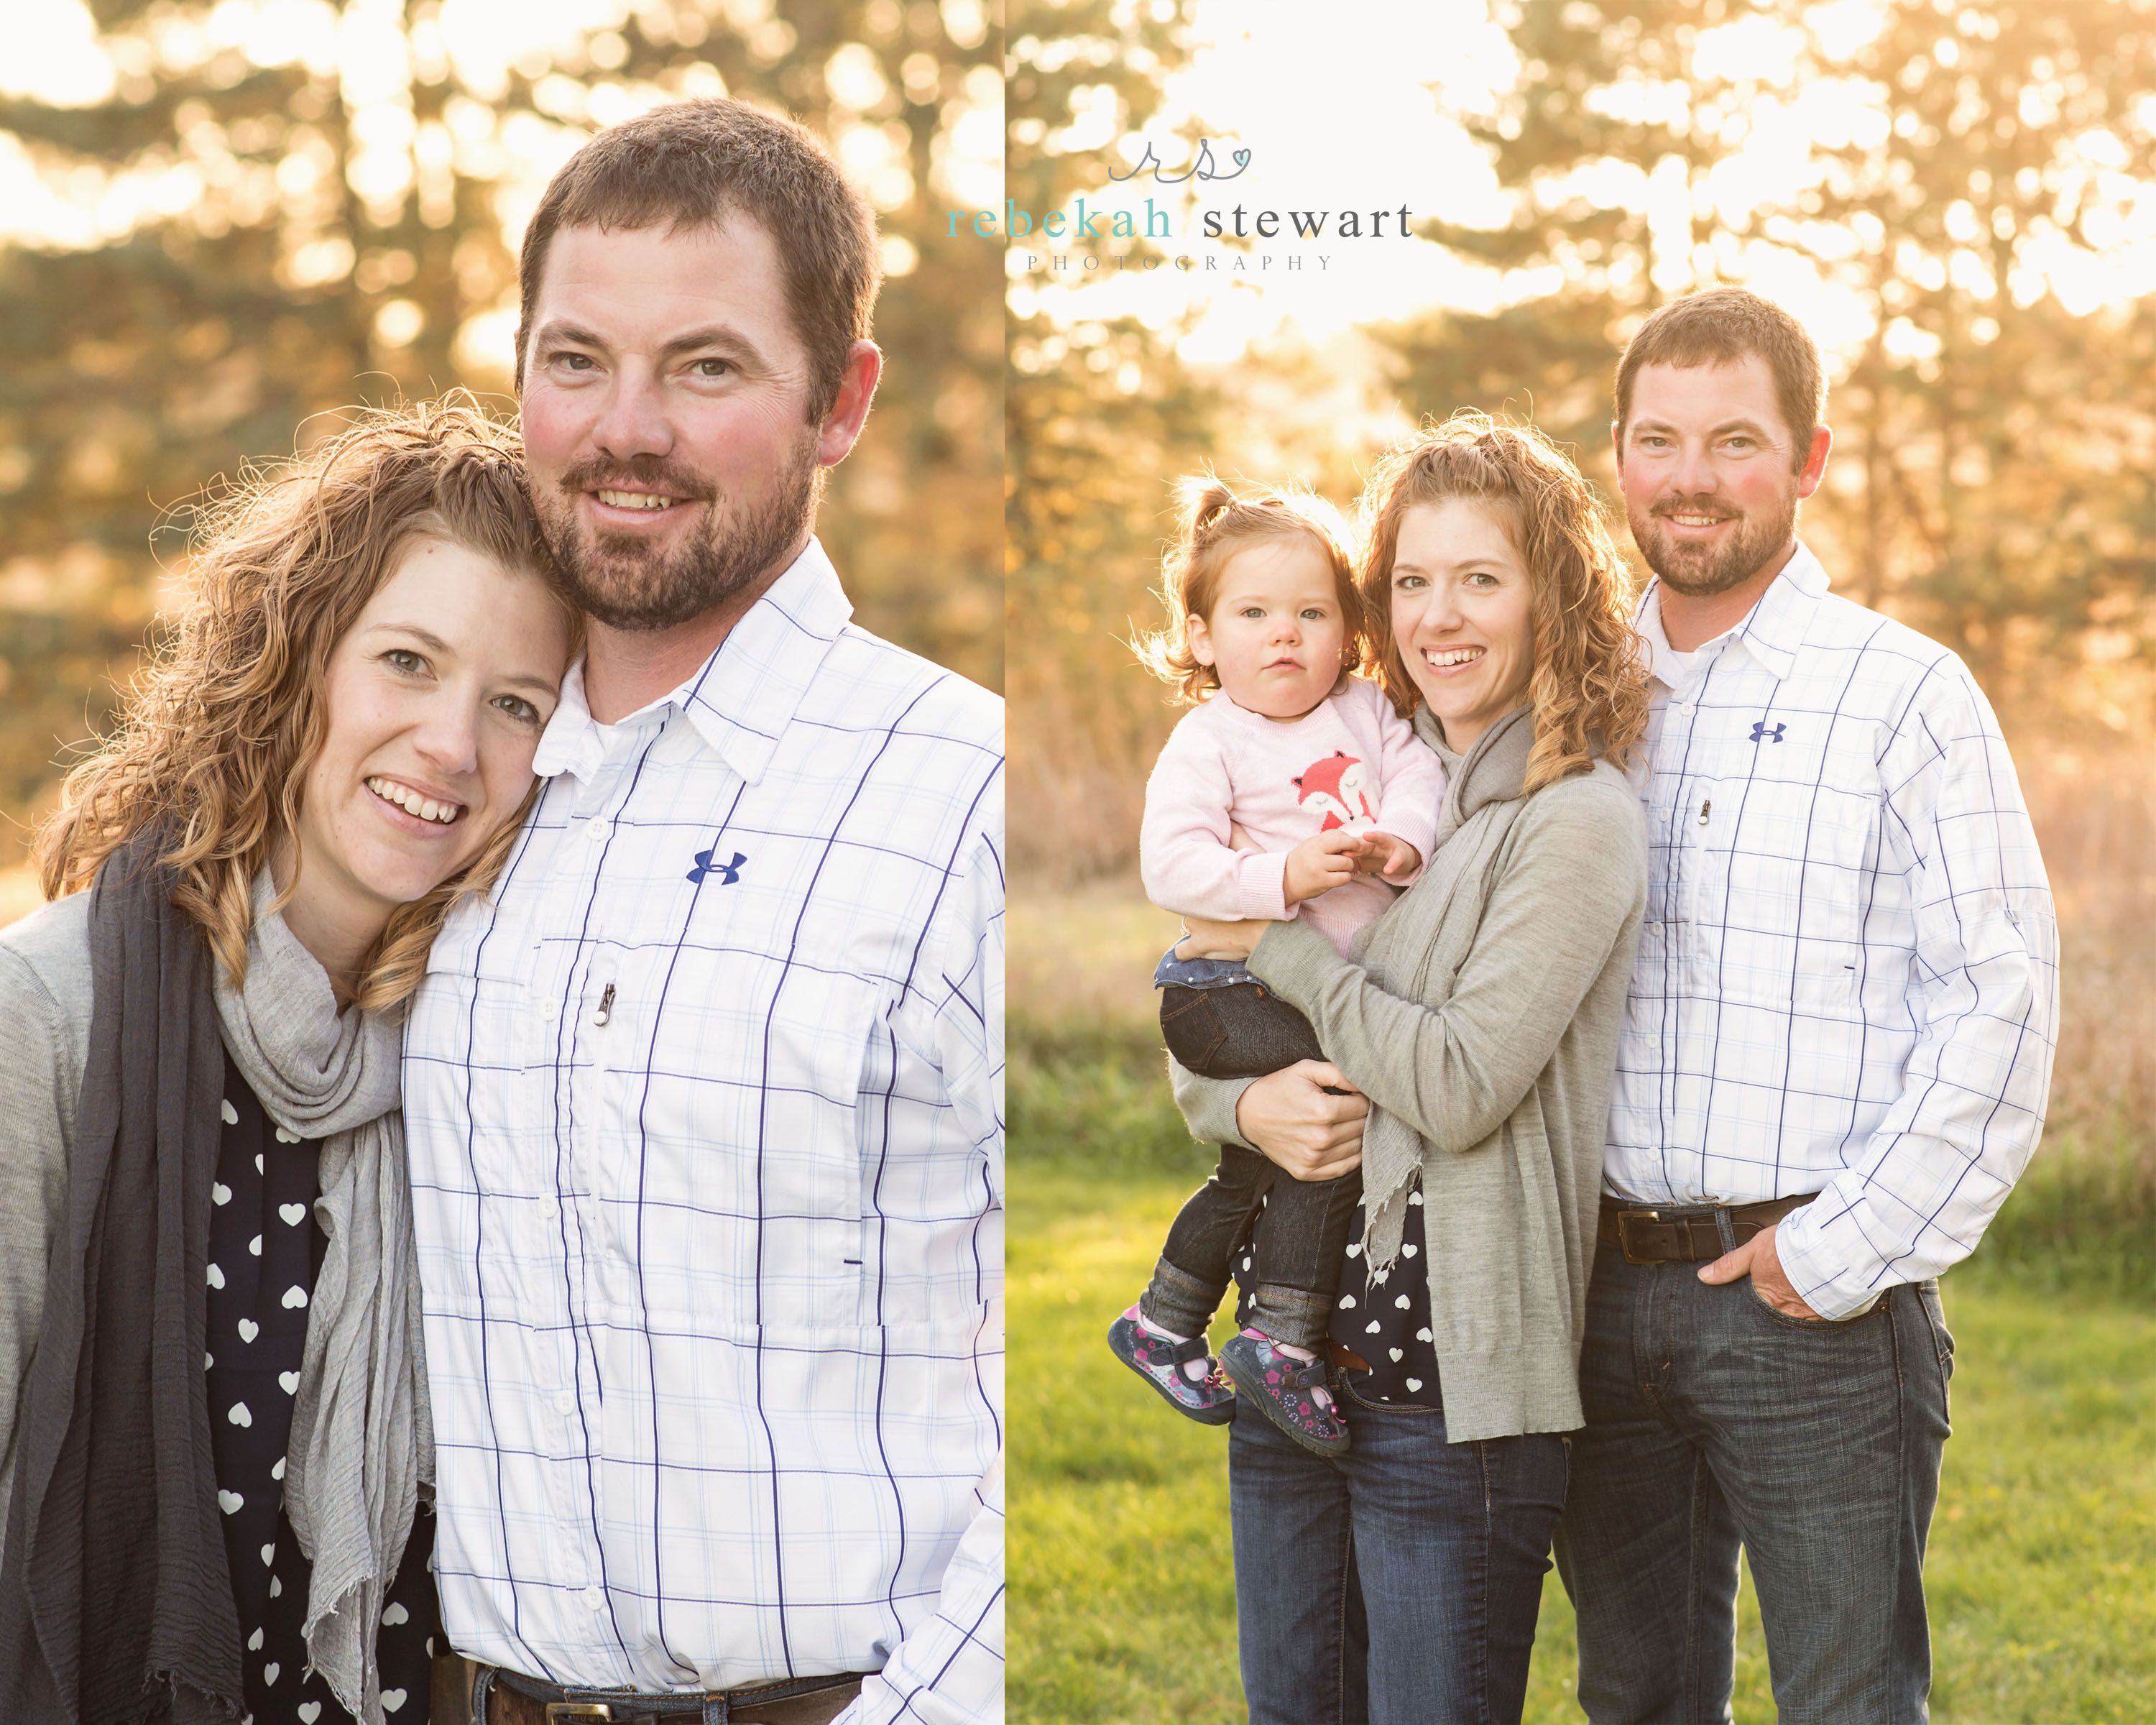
x=284, y=209
x=1967, y=175
x=1968, y=167
x=1099, y=415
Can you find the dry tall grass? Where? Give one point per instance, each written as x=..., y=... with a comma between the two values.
x=2095, y=819
x=2088, y=1206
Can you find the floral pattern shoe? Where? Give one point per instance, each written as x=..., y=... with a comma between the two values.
x=1160, y=1361
x=1279, y=1387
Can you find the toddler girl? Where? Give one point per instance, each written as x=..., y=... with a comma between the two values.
x=1285, y=790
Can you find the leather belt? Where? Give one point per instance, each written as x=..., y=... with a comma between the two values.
x=1686, y=1234
x=507, y=1698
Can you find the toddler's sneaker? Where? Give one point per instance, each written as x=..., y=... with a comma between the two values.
x=1279, y=1386
x=1160, y=1361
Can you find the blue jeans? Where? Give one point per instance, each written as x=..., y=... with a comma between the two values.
x=1713, y=1421
x=1398, y=1585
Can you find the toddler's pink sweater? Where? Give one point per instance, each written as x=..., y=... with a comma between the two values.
x=1349, y=762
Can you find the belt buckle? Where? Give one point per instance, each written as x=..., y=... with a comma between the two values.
x=1625, y=1219
x=577, y=1710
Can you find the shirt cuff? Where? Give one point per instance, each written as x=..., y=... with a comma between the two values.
x=1261, y=886
x=1832, y=1289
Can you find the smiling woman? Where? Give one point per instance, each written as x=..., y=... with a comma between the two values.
x=1474, y=1028
x=435, y=699
x=376, y=610
x=333, y=751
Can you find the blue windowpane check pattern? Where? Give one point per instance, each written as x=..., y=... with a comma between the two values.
x=706, y=1126
x=1848, y=976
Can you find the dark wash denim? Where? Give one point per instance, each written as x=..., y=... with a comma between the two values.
x=1712, y=1421
x=1234, y=1029
x=1398, y=1585
x=1242, y=1030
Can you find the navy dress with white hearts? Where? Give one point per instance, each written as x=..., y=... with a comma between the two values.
x=1386, y=1324
x=265, y=1249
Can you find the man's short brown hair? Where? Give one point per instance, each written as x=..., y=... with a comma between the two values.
x=695, y=165
x=1721, y=327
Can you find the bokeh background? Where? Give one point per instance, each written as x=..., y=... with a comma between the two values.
x=222, y=222
x=1959, y=200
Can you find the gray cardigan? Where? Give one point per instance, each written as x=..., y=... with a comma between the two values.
x=44, y=1044
x=1505, y=1078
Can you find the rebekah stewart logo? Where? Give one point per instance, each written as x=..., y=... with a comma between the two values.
x=1093, y=219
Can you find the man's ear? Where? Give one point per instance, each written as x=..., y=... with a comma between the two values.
x=1815, y=467
x=1617, y=444
x=850, y=412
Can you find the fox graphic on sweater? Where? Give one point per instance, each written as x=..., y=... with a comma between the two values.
x=1336, y=786
x=1234, y=791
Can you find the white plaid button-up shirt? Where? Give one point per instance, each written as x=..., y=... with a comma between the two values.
x=706, y=1142
x=1848, y=975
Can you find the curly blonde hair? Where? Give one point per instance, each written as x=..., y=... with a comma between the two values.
x=218, y=734
x=1588, y=688
x=1214, y=523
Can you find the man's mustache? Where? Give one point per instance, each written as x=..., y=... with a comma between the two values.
x=657, y=478
x=1683, y=505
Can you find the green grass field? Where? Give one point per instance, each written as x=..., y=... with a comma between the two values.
x=2042, y=1568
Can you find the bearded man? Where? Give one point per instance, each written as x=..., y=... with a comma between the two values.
x=703, y=1100
x=1836, y=1056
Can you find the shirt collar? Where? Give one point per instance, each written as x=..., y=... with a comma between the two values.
x=1662, y=657
x=1771, y=632
x=740, y=699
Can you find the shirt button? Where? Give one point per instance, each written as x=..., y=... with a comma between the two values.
x=595, y=1597
x=595, y=831
x=564, y=1402
x=549, y=1210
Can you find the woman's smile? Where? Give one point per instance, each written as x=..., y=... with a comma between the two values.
x=415, y=804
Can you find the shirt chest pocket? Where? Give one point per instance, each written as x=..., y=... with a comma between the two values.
x=1780, y=878
x=730, y=1084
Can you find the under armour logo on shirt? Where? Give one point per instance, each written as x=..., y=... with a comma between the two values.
x=727, y=872
x=1760, y=733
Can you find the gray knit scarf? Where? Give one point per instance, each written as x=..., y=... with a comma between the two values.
x=362, y=1434
x=1485, y=793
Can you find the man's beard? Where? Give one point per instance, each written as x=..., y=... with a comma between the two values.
x=1700, y=571
x=627, y=581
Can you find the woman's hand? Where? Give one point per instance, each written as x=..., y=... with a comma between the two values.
x=1293, y=1117
x=1204, y=938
